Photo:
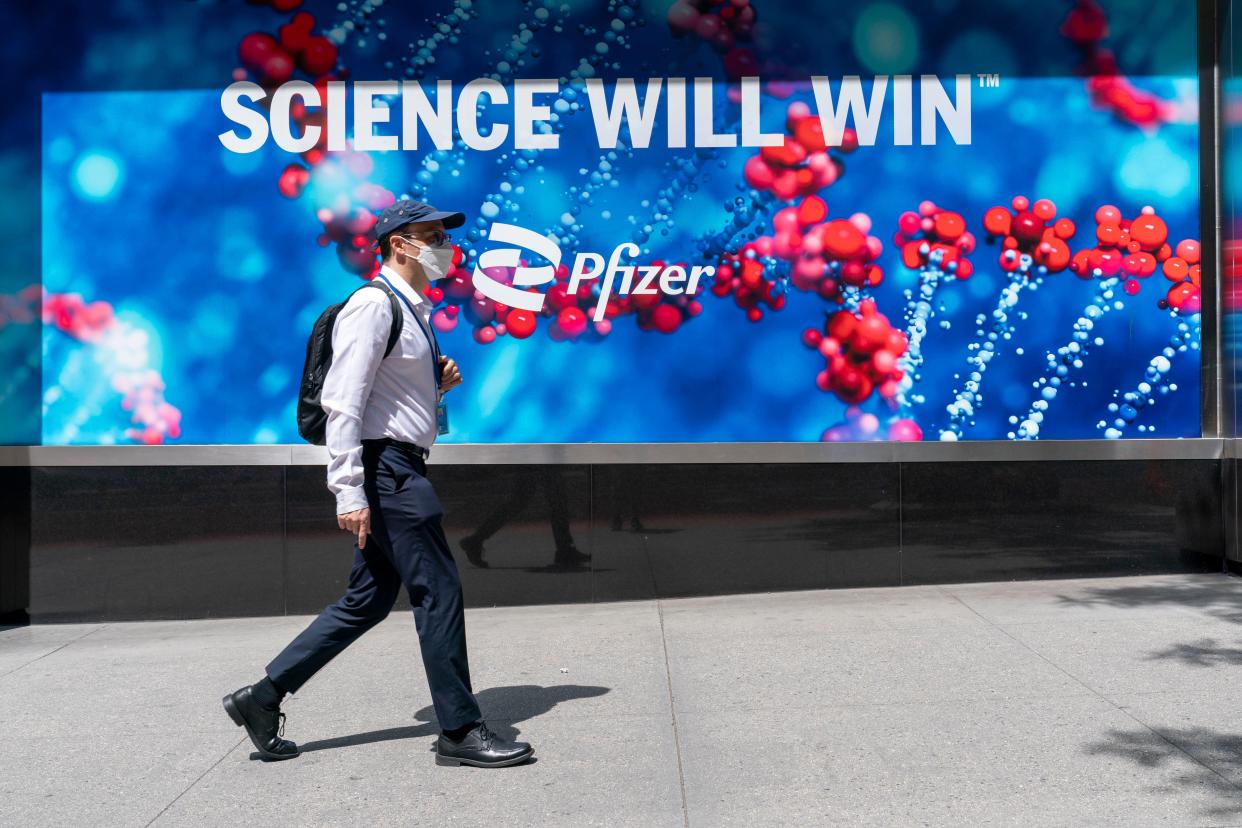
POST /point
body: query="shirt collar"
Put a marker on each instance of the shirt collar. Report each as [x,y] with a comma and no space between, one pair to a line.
[402,286]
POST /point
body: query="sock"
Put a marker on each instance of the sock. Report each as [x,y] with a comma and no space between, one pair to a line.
[457,734]
[267,694]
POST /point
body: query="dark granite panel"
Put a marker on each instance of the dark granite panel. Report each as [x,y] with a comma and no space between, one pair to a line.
[530,520]
[1231,517]
[986,521]
[620,517]
[155,542]
[123,542]
[711,529]
[14,543]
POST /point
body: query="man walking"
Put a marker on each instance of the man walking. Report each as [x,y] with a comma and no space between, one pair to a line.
[382,421]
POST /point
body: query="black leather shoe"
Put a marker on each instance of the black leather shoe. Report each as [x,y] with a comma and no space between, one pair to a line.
[570,556]
[263,726]
[474,551]
[482,749]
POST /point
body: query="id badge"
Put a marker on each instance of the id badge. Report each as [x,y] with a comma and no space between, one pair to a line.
[442,423]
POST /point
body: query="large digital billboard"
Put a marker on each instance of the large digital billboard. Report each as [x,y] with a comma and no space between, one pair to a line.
[697,221]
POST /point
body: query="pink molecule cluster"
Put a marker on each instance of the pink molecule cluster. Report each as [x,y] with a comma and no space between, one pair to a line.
[1130,249]
[143,391]
[801,165]
[826,257]
[864,427]
[20,308]
[1183,270]
[827,254]
[349,218]
[1086,26]
[862,350]
[935,233]
[1031,229]
[68,313]
[143,394]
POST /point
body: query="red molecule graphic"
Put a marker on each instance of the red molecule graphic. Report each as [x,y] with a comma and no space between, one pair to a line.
[720,22]
[659,311]
[347,218]
[1030,229]
[519,323]
[932,232]
[273,59]
[801,165]
[935,243]
[828,257]
[862,350]
[744,276]
[1183,269]
[1087,26]
[571,315]
[1130,249]
[293,180]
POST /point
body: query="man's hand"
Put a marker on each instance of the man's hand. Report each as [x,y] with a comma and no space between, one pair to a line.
[357,523]
[451,376]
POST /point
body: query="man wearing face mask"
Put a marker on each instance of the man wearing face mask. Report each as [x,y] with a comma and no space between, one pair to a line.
[382,421]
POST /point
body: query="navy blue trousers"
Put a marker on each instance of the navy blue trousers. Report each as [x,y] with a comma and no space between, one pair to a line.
[406,546]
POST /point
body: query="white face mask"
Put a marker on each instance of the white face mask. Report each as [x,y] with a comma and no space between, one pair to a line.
[436,261]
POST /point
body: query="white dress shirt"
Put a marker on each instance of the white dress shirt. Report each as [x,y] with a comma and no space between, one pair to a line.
[369,397]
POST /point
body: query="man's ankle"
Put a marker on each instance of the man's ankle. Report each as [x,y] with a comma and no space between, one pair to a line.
[267,694]
[457,734]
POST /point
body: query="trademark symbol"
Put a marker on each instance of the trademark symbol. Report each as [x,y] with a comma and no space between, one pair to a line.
[987,81]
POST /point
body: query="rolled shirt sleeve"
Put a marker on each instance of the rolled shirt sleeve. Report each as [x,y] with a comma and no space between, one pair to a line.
[359,337]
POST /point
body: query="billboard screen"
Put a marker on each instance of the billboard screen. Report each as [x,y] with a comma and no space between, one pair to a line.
[727,221]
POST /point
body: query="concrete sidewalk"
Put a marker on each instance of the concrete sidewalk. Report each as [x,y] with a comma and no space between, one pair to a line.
[1082,702]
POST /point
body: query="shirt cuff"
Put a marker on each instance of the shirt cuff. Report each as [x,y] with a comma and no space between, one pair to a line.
[351,500]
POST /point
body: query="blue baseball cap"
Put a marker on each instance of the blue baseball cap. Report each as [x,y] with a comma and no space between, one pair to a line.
[407,211]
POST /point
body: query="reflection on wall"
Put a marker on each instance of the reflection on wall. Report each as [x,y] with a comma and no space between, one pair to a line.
[1231,218]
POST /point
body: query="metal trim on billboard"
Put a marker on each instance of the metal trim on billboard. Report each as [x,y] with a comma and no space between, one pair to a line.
[1208,448]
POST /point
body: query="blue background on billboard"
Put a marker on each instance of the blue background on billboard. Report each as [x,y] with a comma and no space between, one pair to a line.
[143,208]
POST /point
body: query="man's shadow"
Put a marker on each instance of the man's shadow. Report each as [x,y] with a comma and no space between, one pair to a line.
[508,704]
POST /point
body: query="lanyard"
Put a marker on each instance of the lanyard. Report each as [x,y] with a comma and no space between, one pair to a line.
[418,320]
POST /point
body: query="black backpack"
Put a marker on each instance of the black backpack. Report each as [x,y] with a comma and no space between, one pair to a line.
[312,419]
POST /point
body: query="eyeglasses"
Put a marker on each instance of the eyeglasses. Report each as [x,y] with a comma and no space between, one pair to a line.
[436,238]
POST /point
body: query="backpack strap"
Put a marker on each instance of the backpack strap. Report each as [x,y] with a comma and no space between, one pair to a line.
[398,318]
